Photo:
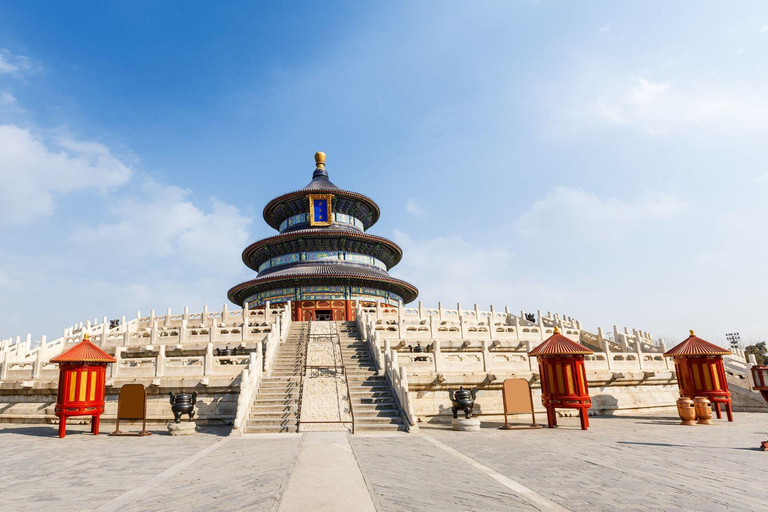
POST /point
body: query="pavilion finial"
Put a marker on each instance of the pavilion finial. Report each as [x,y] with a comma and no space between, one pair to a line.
[557,329]
[691,331]
[320,160]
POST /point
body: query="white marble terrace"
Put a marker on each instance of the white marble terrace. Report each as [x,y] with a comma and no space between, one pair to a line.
[156,346]
[481,341]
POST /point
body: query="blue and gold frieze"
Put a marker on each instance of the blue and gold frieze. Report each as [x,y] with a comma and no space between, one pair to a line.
[285,259]
[339,218]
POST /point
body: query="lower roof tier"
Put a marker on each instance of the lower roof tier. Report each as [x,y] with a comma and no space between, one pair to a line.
[349,281]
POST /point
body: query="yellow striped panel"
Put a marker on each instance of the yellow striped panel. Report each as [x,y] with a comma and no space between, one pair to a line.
[83,384]
[559,375]
[92,395]
[695,369]
[72,386]
[715,376]
[551,378]
[569,379]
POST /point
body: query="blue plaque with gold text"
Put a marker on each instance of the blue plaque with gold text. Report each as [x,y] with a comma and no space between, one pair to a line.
[320,213]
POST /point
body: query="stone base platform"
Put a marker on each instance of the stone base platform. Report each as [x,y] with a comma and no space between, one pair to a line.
[465,425]
[185,428]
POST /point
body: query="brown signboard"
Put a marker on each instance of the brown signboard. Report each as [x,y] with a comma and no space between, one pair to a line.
[518,399]
[132,405]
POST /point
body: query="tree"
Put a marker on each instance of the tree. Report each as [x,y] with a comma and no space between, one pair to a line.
[760,350]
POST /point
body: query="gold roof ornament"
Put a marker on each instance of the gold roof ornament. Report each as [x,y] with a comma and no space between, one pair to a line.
[320,160]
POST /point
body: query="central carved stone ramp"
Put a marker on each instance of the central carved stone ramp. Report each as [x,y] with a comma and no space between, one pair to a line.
[276,403]
[372,401]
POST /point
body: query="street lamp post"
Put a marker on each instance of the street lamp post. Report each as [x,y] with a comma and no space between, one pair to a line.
[733,338]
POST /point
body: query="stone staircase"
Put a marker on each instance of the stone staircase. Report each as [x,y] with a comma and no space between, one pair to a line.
[372,401]
[275,408]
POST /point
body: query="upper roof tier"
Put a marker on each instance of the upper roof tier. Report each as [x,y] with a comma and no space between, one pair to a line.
[345,202]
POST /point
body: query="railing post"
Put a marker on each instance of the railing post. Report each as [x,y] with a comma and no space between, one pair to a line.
[118,361]
[160,362]
[486,356]
[183,331]
[6,357]
[153,333]
[421,310]
[260,352]
[208,361]
[640,356]
[400,321]
[440,310]
[438,355]
[38,359]
[608,355]
[528,348]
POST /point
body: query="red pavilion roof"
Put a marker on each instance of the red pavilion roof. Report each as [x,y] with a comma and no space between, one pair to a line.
[559,345]
[695,346]
[85,352]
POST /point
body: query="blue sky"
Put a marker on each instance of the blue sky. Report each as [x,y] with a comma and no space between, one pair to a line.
[602,160]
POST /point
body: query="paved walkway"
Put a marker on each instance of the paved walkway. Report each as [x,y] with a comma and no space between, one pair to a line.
[627,463]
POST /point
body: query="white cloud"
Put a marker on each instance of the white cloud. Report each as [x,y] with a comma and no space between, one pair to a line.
[572,212]
[764,177]
[739,51]
[413,207]
[16,65]
[451,268]
[161,222]
[663,107]
[7,100]
[606,27]
[34,170]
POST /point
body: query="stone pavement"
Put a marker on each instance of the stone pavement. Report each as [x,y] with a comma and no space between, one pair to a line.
[629,463]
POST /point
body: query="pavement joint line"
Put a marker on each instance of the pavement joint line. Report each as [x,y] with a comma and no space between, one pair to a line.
[368,483]
[529,494]
[129,496]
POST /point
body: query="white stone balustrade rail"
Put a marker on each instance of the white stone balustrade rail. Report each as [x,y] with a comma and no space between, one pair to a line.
[27,359]
[387,364]
[458,343]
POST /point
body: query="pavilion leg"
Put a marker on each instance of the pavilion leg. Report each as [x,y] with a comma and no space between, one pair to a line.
[551,417]
[584,419]
[63,426]
[717,410]
[729,411]
[95,425]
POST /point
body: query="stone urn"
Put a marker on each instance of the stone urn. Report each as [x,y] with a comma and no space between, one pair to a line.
[418,349]
[462,400]
[226,352]
[686,410]
[703,410]
[183,403]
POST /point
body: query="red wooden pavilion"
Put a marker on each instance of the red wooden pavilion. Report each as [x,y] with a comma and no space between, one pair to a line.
[563,378]
[700,372]
[82,376]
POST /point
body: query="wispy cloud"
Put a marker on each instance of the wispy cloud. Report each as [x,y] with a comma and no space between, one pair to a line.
[413,207]
[16,65]
[606,27]
[34,170]
[569,212]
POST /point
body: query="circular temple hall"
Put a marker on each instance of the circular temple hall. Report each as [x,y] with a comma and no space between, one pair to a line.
[322,260]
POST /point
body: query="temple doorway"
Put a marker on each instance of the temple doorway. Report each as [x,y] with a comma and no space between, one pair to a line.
[323,315]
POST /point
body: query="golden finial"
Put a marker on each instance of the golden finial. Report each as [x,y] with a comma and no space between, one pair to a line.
[320,160]
[691,331]
[557,329]
[86,337]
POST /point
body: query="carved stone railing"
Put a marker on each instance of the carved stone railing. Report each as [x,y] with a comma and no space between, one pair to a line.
[28,359]
[258,365]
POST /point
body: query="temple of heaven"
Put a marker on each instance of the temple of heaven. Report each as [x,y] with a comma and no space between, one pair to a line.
[322,260]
